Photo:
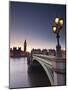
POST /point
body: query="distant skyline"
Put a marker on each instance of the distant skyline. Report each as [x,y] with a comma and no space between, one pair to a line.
[33,22]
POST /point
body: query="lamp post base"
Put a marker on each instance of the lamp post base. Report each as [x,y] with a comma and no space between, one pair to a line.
[58,51]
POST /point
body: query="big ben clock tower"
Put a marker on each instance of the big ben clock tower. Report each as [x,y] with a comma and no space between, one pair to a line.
[25,45]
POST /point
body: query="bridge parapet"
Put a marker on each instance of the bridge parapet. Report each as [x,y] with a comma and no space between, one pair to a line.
[51,58]
[59,62]
[59,69]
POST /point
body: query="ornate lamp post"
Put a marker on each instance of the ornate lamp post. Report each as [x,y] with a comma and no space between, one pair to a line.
[57,26]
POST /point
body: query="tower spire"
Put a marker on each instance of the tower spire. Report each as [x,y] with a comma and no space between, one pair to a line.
[25,45]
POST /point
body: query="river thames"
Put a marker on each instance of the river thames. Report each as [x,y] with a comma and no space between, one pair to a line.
[21,78]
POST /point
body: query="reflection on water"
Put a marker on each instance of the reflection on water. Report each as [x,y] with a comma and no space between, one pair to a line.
[20,77]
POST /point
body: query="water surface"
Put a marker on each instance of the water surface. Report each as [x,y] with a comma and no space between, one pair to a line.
[20,77]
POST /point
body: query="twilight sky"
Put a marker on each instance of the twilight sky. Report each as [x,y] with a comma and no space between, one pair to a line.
[33,23]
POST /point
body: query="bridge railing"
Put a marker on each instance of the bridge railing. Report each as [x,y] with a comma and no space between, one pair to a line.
[56,62]
[53,58]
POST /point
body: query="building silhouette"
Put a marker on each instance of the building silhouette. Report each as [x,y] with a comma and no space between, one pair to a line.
[25,45]
[17,52]
[52,52]
[44,52]
[36,51]
[63,52]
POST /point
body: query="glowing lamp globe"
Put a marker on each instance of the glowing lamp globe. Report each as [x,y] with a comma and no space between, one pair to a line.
[61,22]
[54,29]
[57,20]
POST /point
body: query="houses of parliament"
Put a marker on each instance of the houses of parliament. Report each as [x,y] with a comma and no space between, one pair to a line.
[14,52]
